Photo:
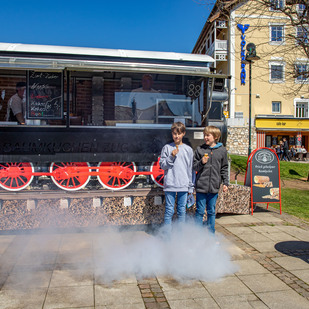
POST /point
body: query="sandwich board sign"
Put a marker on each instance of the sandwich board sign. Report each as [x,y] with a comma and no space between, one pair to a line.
[263,176]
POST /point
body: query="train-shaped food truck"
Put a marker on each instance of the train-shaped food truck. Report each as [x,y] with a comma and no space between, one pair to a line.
[100,115]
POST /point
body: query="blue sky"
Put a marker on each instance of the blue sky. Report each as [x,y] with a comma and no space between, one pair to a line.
[158,25]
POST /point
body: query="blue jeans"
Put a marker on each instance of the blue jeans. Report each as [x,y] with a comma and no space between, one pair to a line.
[170,206]
[208,201]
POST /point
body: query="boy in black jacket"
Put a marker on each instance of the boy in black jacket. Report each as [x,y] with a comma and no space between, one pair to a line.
[211,164]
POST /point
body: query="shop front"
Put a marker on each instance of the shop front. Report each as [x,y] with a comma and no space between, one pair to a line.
[271,130]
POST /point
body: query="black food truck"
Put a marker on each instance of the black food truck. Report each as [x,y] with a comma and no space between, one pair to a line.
[100,117]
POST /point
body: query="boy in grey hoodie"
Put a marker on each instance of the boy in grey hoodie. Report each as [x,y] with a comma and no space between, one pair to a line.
[177,162]
[211,164]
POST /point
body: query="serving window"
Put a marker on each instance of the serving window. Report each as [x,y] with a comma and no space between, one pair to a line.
[117,98]
[153,99]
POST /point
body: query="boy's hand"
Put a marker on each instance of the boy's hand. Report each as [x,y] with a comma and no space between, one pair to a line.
[225,188]
[205,158]
[175,151]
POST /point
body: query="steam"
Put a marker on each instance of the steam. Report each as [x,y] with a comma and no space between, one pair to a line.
[188,252]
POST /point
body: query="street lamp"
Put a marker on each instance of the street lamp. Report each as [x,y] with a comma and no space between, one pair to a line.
[250,56]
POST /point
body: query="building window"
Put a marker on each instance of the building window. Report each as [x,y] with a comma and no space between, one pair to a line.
[276,34]
[302,35]
[301,110]
[276,5]
[301,10]
[276,72]
[268,141]
[301,72]
[276,107]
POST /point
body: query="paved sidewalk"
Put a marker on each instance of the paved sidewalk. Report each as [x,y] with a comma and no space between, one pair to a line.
[59,270]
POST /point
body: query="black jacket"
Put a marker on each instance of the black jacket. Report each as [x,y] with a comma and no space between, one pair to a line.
[285,146]
[214,172]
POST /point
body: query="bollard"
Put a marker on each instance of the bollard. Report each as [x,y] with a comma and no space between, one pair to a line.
[64,203]
[96,202]
[31,204]
[127,201]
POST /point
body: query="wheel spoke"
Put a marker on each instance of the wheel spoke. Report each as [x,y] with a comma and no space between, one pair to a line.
[20,179]
[73,181]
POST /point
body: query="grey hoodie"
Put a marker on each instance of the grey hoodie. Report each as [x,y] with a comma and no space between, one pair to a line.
[210,175]
[178,169]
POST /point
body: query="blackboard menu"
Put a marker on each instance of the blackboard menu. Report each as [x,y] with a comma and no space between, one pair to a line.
[44,95]
[263,176]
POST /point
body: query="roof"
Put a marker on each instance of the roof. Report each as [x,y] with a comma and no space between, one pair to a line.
[121,53]
[30,56]
[219,9]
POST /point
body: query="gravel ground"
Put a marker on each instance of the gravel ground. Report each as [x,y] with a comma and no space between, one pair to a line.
[80,213]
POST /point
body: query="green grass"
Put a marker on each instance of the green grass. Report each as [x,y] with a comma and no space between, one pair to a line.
[239,163]
[292,170]
[294,202]
[288,170]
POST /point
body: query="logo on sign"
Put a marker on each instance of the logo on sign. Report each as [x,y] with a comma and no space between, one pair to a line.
[264,157]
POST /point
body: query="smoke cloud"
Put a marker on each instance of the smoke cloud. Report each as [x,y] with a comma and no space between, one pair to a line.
[188,252]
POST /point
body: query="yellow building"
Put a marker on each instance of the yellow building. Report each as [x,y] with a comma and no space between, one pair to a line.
[279,92]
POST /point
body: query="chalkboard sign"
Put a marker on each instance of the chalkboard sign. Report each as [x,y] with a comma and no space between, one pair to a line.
[263,176]
[44,95]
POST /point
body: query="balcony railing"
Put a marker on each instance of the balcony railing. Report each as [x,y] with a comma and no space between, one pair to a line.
[220,47]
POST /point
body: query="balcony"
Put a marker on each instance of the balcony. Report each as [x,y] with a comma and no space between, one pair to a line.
[218,50]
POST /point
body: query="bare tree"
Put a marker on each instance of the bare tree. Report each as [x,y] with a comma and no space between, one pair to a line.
[291,41]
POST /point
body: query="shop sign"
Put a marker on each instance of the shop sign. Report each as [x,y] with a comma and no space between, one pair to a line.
[282,124]
[243,29]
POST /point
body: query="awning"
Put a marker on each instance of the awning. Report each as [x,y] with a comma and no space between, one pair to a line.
[282,124]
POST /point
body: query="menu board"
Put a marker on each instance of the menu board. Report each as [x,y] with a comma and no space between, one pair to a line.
[263,176]
[44,95]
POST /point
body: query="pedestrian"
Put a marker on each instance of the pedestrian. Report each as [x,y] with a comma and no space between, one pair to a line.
[286,155]
[278,151]
[281,150]
[177,162]
[211,164]
[303,149]
[293,152]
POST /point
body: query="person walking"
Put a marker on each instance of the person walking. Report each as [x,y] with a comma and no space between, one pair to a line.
[286,155]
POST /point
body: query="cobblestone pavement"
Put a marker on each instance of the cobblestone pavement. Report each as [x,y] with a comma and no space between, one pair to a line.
[59,270]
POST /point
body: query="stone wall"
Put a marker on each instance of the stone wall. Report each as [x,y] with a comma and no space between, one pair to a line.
[237,140]
[98,211]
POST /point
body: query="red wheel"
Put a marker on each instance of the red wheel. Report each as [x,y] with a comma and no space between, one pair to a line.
[70,176]
[16,176]
[157,174]
[116,175]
